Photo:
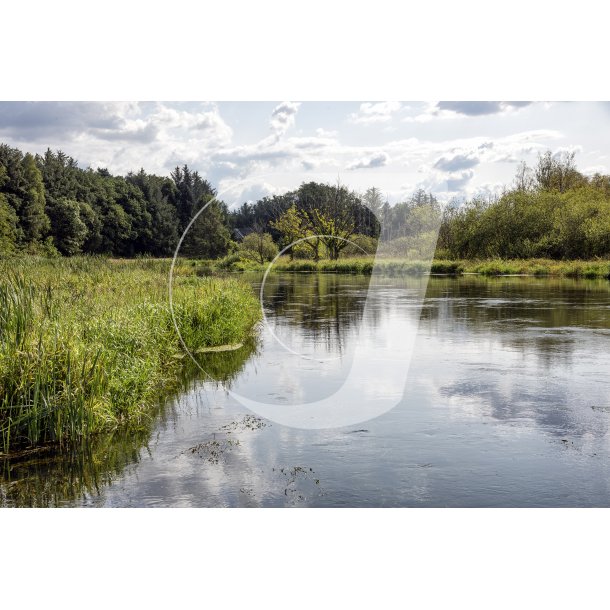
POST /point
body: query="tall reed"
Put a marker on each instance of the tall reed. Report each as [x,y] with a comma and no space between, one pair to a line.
[86,343]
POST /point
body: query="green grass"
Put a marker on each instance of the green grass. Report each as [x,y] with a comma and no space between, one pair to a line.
[88,344]
[391,266]
[540,268]
[353,265]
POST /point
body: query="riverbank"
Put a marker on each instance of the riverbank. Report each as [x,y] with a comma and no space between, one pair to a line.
[89,343]
[392,267]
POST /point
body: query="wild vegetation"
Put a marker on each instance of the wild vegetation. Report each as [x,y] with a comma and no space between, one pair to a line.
[400,266]
[89,343]
[552,211]
[49,205]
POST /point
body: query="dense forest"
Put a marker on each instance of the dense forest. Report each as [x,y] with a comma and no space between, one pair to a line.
[49,205]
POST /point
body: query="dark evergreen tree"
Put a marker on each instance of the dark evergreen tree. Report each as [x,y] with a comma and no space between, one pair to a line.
[208,236]
[68,229]
[32,216]
[8,220]
[164,226]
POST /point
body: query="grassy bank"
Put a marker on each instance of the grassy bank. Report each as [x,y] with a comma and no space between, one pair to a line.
[539,267]
[88,344]
[353,265]
[393,267]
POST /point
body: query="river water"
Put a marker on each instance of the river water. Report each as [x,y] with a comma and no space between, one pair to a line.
[506,404]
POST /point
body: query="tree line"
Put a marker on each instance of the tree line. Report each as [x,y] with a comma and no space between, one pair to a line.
[551,211]
[49,205]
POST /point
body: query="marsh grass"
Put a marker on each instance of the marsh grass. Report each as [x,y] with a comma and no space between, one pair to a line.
[594,269]
[540,268]
[87,344]
[352,265]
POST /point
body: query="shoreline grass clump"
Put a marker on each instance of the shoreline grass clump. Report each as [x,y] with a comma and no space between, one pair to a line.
[588,269]
[540,267]
[87,344]
[362,265]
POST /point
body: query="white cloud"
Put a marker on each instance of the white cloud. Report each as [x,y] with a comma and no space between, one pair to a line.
[377,160]
[370,113]
[452,163]
[265,151]
[478,108]
[457,181]
[206,124]
[562,151]
[236,192]
[326,133]
[283,116]
[463,109]
[595,169]
[487,191]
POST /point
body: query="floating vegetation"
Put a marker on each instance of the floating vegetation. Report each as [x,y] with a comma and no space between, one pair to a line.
[214,450]
[299,483]
[249,422]
[603,409]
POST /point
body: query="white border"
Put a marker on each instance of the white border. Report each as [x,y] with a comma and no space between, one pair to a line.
[312,51]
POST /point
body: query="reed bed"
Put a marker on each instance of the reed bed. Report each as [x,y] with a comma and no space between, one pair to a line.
[87,344]
[351,265]
[393,267]
[540,267]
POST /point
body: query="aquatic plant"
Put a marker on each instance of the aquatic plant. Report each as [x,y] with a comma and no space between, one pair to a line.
[87,344]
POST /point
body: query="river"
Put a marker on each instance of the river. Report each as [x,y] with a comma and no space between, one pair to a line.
[506,404]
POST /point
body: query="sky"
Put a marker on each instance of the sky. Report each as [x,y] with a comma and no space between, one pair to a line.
[250,149]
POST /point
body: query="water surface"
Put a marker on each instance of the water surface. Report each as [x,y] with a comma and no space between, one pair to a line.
[507,404]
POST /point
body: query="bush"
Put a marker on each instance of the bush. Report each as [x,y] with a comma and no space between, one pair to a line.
[362,245]
[258,247]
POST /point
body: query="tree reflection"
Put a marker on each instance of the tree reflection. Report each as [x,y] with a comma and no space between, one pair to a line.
[56,477]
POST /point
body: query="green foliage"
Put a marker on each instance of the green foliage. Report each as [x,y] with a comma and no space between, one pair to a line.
[69,231]
[228,262]
[44,248]
[32,217]
[421,213]
[558,172]
[49,205]
[329,213]
[556,213]
[538,267]
[8,227]
[373,200]
[94,212]
[291,227]
[89,343]
[360,245]
[345,207]
[258,247]
[208,236]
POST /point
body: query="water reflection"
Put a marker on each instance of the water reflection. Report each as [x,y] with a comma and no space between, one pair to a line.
[51,478]
[531,354]
[71,475]
[507,404]
[325,308]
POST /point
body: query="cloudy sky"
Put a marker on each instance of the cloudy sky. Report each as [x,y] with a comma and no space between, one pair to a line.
[248,149]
